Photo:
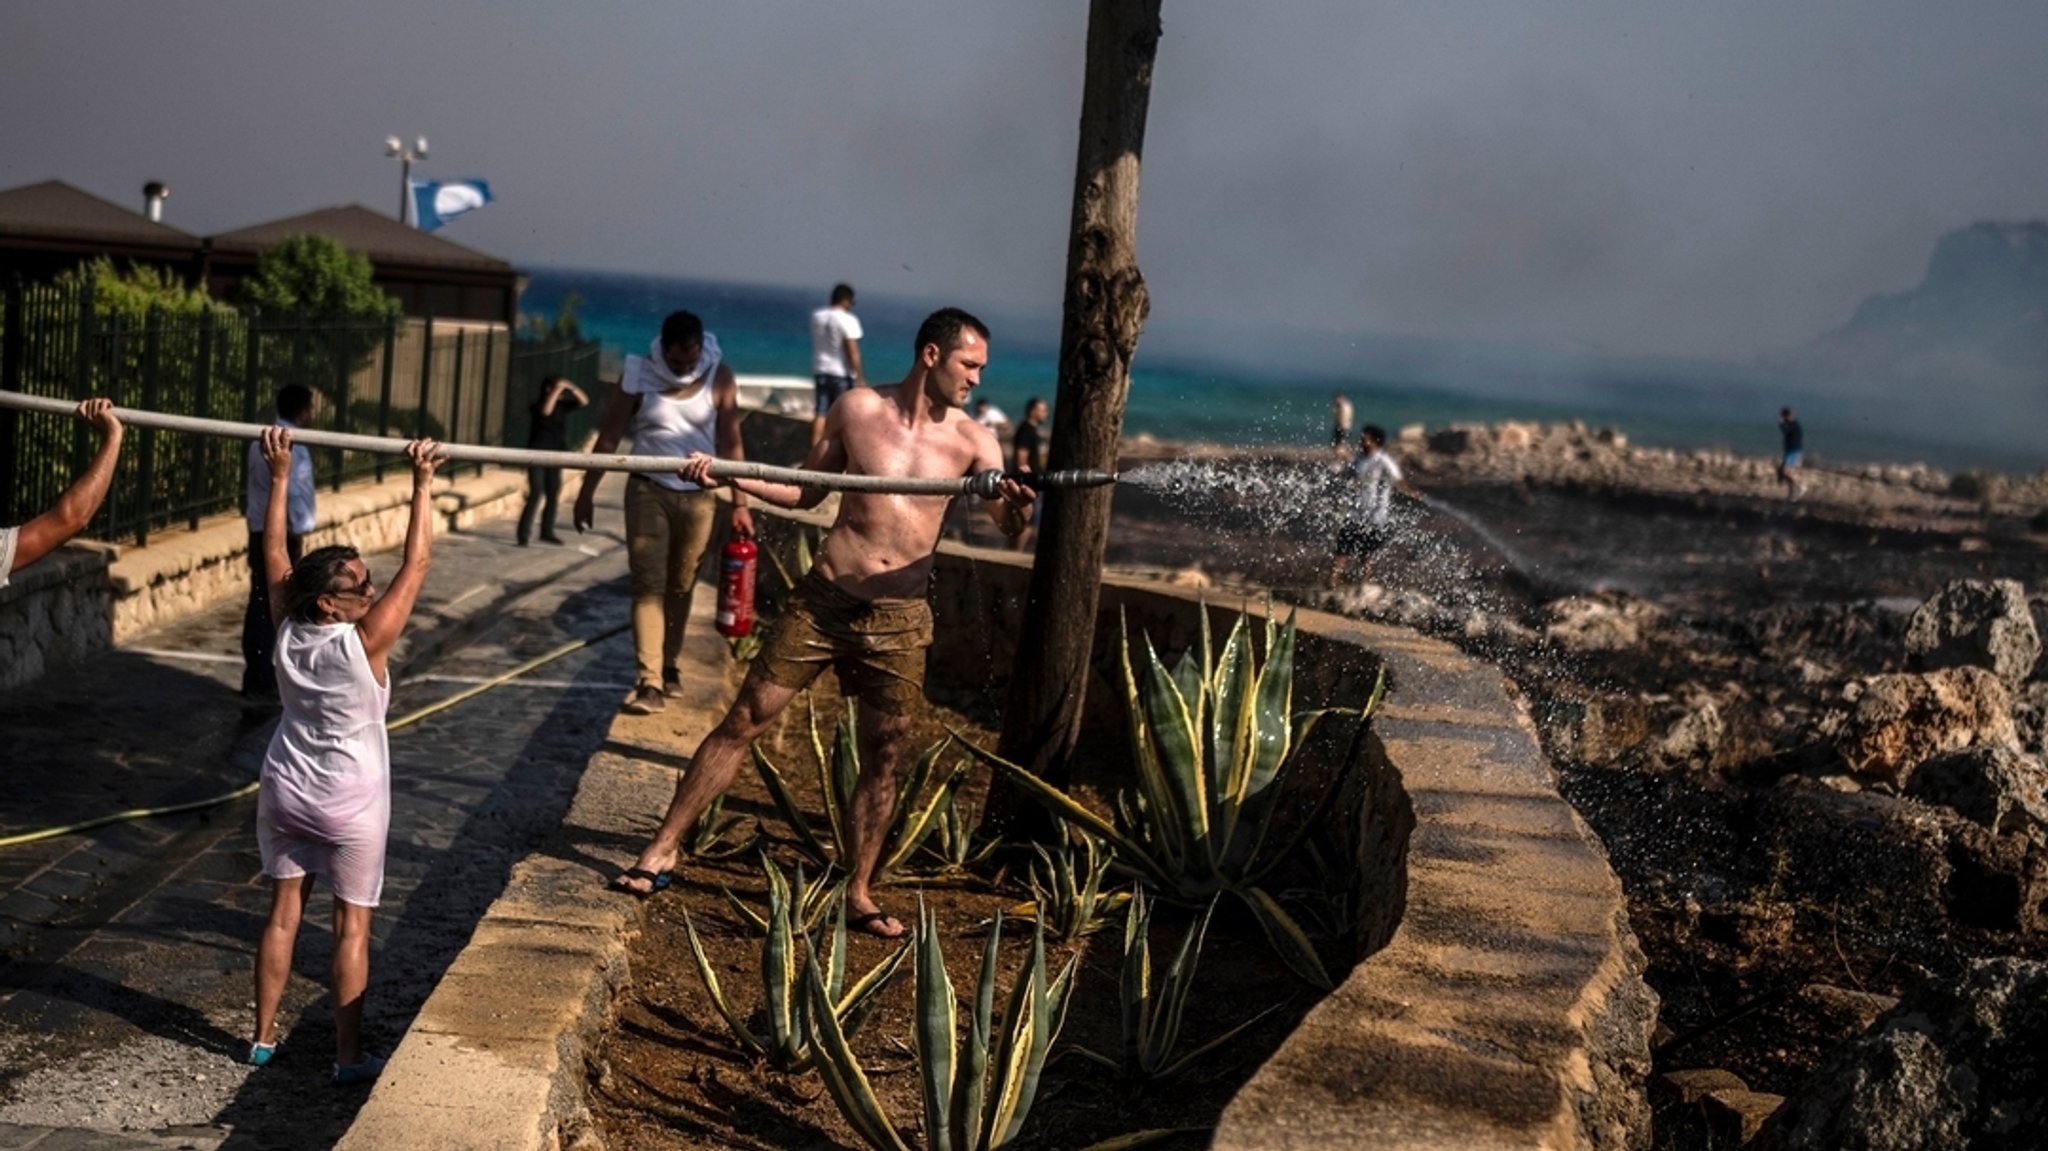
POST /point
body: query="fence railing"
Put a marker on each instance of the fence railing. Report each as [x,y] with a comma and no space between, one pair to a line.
[398,376]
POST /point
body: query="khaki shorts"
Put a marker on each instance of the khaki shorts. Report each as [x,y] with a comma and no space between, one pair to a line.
[877,647]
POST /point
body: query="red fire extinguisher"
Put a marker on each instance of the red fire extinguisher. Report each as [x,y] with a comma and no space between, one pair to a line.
[736,587]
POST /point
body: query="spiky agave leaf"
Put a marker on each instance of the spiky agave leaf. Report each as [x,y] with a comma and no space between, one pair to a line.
[1231,732]
[844,1077]
[733,1019]
[1030,1024]
[780,956]
[1275,703]
[853,1004]
[970,1076]
[1176,736]
[814,899]
[934,1034]
[838,774]
[807,840]
[1135,983]
[1067,884]
[1286,936]
[915,822]
[1130,852]
[708,836]
[1162,1025]
[1162,837]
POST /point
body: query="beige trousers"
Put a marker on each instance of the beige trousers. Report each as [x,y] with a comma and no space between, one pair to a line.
[666,533]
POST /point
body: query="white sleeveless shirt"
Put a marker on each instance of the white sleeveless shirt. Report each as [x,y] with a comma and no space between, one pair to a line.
[328,770]
[666,426]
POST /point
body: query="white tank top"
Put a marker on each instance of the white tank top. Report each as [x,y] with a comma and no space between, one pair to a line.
[329,761]
[666,426]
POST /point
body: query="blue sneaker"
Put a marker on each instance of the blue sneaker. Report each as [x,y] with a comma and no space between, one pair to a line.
[364,1070]
[260,1054]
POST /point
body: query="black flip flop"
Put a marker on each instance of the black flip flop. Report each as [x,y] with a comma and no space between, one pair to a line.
[657,881]
[862,922]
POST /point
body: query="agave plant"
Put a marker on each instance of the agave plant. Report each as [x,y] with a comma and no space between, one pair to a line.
[977,1095]
[811,899]
[1067,882]
[952,844]
[917,812]
[714,836]
[1152,1012]
[789,965]
[806,553]
[1211,738]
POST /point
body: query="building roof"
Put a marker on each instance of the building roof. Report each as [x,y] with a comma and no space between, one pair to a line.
[55,210]
[385,240]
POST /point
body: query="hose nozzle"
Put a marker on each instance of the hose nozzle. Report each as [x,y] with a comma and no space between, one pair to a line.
[985,484]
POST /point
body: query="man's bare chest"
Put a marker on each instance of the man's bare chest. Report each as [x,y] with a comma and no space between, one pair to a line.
[897,453]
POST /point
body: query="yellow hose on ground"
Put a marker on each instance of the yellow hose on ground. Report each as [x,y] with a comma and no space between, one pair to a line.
[250,788]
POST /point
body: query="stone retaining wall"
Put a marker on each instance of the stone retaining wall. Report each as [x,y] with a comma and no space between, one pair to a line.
[54,612]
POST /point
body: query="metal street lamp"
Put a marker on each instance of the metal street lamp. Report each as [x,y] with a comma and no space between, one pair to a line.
[396,149]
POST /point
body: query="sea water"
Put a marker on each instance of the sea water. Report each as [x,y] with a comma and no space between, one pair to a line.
[1174,395]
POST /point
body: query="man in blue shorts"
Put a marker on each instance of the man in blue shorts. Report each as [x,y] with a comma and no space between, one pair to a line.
[835,354]
[1795,448]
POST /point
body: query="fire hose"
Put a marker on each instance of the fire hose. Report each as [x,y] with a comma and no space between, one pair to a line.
[983,484]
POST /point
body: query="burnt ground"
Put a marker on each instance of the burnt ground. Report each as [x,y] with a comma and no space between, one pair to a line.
[1775,921]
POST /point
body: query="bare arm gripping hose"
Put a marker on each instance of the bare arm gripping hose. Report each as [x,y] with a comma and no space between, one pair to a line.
[983,485]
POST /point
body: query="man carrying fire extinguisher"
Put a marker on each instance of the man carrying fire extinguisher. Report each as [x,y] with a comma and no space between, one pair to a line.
[679,399]
[861,610]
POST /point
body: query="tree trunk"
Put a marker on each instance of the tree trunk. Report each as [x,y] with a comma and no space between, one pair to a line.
[1105,309]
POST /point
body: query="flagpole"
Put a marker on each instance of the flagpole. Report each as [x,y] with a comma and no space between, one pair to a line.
[396,149]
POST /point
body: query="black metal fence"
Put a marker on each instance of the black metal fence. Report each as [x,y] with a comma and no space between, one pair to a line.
[454,380]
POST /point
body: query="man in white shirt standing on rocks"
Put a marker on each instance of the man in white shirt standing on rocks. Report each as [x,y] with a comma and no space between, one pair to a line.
[259,635]
[835,354]
[1372,475]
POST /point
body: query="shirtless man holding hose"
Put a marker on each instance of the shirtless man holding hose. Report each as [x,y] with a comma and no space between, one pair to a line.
[861,610]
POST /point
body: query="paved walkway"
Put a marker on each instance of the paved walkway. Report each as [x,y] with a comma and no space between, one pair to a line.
[125,953]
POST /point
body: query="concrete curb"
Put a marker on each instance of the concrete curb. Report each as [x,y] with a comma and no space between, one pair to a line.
[1508,1008]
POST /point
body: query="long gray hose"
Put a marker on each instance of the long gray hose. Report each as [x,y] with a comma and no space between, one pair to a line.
[980,485]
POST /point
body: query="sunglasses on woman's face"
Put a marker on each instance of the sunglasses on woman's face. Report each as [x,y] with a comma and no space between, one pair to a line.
[360,591]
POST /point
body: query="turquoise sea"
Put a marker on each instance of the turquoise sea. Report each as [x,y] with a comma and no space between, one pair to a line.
[1273,398]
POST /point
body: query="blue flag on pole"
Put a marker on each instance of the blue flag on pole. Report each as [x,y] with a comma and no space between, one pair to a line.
[435,202]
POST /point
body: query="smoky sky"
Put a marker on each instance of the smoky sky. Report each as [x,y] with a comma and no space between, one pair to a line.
[1719,179]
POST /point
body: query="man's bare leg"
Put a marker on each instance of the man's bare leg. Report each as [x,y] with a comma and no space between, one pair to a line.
[874,800]
[710,773]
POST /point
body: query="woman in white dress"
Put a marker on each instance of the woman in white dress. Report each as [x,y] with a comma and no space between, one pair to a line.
[325,805]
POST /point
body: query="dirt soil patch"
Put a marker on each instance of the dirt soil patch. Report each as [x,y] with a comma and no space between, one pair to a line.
[669,1075]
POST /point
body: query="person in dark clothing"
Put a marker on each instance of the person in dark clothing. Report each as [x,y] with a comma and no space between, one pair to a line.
[1795,451]
[259,634]
[550,433]
[1027,454]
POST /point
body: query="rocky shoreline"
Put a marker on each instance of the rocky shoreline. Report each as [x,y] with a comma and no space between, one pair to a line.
[1810,734]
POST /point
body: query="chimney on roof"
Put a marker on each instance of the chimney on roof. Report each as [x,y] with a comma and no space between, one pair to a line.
[153,197]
